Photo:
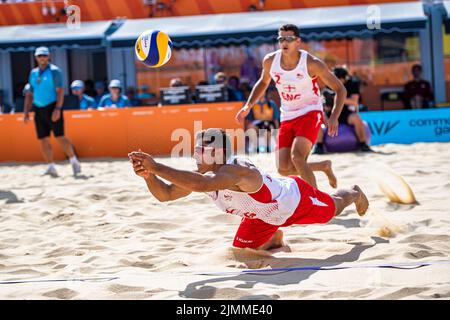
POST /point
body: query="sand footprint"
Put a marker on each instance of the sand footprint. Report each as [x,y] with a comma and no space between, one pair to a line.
[63,293]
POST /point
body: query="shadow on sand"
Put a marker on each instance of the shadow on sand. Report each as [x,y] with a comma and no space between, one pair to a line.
[9,196]
[205,290]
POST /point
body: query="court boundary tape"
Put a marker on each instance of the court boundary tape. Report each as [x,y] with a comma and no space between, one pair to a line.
[99,279]
[401,266]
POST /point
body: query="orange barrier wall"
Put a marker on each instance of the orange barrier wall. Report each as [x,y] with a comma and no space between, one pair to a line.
[115,132]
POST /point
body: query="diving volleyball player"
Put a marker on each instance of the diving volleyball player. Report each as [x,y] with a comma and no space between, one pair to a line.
[296,74]
[238,187]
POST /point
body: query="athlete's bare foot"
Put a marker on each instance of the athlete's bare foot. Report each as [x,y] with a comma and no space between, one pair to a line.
[330,174]
[362,204]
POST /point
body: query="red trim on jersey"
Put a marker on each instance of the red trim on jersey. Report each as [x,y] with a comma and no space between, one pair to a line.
[315,87]
[263,195]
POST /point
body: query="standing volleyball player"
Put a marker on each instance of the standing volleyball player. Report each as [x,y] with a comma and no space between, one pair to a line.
[296,73]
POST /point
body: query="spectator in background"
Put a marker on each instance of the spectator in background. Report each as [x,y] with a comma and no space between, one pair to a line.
[176,82]
[349,114]
[115,99]
[265,115]
[221,78]
[147,97]
[131,94]
[417,93]
[85,102]
[233,82]
[246,89]
[250,70]
[144,93]
[89,88]
[99,91]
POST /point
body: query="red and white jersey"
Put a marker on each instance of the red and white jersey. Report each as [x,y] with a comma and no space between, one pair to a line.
[299,93]
[273,203]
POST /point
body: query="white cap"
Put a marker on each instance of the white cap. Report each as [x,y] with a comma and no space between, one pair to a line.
[42,51]
[77,84]
[115,84]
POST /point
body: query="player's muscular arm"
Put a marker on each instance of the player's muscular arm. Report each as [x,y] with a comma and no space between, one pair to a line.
[164,191]
[317,68]
[258,89]
[194,181]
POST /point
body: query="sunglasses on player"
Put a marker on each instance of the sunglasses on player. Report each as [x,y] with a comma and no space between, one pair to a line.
[289,39]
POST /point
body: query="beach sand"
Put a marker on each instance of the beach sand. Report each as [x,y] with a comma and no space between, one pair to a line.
[105,224]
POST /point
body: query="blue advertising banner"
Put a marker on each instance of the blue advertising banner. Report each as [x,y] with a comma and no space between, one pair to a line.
[408,126]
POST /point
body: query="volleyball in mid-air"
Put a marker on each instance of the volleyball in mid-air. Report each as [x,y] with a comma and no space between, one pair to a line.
[153,48]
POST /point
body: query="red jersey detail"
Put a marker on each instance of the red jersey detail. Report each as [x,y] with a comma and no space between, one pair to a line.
[315,87]
[263,195]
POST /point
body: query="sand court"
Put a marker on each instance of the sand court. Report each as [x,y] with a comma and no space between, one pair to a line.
[105,234]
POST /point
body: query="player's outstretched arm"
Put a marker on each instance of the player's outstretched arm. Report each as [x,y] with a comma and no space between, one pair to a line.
[189,180]
[158,188]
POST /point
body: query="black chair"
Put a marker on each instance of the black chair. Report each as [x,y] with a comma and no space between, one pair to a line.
[394,95]
[71,102]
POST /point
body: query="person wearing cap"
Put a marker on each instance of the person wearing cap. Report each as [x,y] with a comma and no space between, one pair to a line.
[85,102]
[99,87]
[349,114]
[221,78]
[236,186]
[46,98]
[114,99]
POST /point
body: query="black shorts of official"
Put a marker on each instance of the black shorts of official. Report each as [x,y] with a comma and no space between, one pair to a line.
[345,114]
[44,124]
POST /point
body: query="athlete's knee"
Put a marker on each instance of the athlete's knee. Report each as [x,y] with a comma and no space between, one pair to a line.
[299,159]
[284,172]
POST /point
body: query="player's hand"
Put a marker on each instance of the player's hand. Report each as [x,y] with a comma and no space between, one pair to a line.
[332,125]
[139,169]
[26,117]
[143,160]
[240,116]
[56,114]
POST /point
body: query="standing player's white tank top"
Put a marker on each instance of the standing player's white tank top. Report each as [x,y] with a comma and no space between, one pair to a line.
[299,93]
[273,203]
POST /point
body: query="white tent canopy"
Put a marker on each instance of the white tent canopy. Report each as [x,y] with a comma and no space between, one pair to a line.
[340,21]
[24,37]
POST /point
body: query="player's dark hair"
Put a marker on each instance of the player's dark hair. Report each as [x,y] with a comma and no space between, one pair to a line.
[210,135]
[290,27]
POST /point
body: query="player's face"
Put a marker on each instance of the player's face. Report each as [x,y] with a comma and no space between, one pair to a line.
[288,42]
[206,157]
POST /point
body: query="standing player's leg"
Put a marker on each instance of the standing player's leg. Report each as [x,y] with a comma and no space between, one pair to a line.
[285,165]
[299,155]
[325,167]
